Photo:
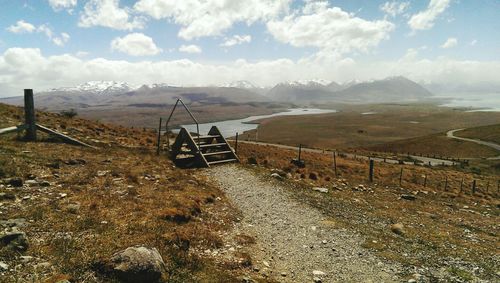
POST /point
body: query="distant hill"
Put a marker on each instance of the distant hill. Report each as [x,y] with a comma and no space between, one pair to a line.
[394,89]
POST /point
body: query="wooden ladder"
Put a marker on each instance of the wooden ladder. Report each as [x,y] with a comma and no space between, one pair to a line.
[202,150]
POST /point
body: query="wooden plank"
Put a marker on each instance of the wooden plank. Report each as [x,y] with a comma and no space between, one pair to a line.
[29,115]
[64,137]
[12,129]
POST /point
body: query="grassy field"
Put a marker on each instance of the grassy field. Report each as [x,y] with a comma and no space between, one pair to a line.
[440,222]
[379,124]
[94,203]
[437,144]
[489,133]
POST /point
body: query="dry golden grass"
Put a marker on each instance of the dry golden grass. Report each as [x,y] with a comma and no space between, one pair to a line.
[118,196]
[489,133]
[350,128]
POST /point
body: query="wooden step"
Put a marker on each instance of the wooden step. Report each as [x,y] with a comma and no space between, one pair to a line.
[212,145]
[216,153]
[206,137]
[221,161]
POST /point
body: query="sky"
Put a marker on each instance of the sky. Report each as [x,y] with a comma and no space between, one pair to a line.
[55,43]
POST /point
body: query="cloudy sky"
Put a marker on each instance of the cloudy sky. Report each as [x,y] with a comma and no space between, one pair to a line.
[54,43]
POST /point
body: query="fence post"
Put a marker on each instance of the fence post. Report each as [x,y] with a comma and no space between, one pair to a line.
[335,163]
[474,186]
[371,170]
[300,150]
[446,183]
[401,177]
[29,115]
[425,180]
[158,142]
[461,185]
[236,144]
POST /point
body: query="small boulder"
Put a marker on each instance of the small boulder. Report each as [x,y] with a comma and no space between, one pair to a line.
[138,264]
[408,197]
[16,182]
[313,176]
[14,240]
[397,228]
[73,208]
[321,190]
[276,176]
[252,160]
[3,266]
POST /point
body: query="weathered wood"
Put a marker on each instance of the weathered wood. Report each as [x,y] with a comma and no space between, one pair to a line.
[12,129]
[158,142]
[335,163]
[236,144]
[371,171]
[401,177]
[29,115]
[62,136]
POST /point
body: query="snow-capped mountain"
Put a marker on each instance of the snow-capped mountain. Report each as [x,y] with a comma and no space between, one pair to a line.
[241,84]
[306,83]
[98,87]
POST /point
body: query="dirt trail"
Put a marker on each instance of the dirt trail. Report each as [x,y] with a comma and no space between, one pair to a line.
[294,242]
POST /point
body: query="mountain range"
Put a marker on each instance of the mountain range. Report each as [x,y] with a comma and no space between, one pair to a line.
[121,94]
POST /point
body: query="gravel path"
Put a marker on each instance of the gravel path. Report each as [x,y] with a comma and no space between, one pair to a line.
[294,242]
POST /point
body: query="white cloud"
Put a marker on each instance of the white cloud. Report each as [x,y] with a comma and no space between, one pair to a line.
[57,40]
[329,28]
[424,20]
[81,54]
[450,43]
[394,8]
[58,5]
[473,42]
[135,44]
[190,49]
[27,67]
[107,13]
[200,18]
[236,40]
[21,27]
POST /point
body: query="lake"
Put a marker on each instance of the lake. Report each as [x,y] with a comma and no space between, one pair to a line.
[231,127]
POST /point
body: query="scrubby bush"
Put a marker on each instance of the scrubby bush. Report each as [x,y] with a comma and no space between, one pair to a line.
[69,113]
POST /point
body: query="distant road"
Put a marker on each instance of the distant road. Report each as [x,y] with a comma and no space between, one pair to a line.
[450,134]
[425,160]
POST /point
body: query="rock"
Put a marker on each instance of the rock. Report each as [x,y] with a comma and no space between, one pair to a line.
[44,184]
[73,208]
[321,190]
[283,274]
[266,264]
[16,182]
[4,266]
[313,176]
[15,222]
[43,265]
[138,264]
[7,196]
[14,240]
[276,176]
[397,228]
[26,258]
[318,273]
[63,195]
[408,197]
[412,281]
[31,182]
[317,280]
[252,160]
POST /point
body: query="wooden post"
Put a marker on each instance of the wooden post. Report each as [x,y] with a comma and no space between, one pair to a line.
[487,187]
[300,150]
[335,163]
[29,115]
[446,183]
[401,176]
[461,185]
[158,142]
[236,144]
[371,171]
[425,180]
[474,186]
